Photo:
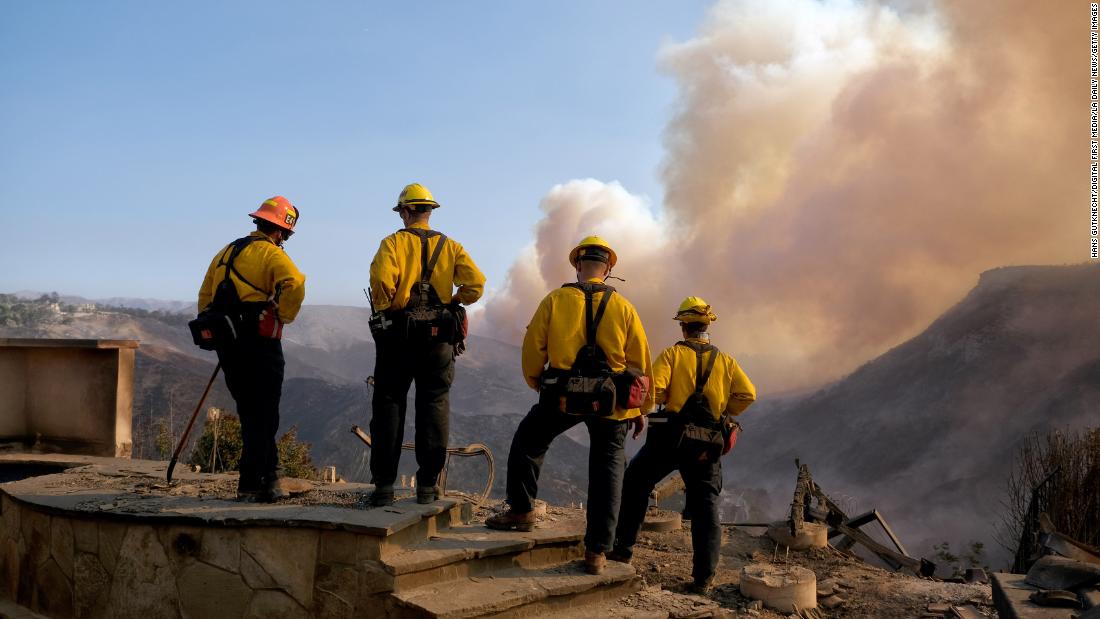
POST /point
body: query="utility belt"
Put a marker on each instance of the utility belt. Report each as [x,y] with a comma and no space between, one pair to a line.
[693,435]
[214,329]
[421,324]
[596,393]
[435,324]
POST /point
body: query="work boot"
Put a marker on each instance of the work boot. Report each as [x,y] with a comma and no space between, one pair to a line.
[705,587]
[619,555]
[594,562]
[428,494]
[273,491]
[512,521]
[248,492]
[382,496]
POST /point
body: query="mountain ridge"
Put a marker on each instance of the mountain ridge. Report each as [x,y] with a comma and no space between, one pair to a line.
[924,432]
[934,422]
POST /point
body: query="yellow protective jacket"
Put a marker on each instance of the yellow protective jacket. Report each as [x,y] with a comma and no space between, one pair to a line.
[265,265]
[556,334]
[396,269]
[728,390]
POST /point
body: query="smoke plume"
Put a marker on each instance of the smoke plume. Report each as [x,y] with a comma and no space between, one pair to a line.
[837,175]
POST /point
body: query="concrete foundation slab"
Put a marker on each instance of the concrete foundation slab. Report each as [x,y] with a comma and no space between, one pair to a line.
[509,590]
[1010,597]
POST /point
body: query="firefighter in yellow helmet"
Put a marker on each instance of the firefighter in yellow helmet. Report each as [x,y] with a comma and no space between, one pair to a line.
[255,284]
[419,277]
[583,338]
[701,389]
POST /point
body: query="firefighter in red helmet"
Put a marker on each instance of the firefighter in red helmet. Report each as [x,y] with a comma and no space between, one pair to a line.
[256,284]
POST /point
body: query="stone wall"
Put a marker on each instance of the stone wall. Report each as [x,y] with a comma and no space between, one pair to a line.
[65,566]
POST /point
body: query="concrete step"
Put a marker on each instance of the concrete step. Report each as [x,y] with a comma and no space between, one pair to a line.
[464,551]
[515,592]
[414,524]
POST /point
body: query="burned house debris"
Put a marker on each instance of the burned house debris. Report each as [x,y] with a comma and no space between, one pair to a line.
[1064,578]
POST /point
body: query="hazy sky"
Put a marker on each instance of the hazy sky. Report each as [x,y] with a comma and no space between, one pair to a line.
[832,175]
[137,135]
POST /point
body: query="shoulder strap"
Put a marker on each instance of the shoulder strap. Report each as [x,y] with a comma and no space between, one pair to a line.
[702,379]
[591,323]
[588,286]
[427,264]
[421,232]
[702,375]
[238,246]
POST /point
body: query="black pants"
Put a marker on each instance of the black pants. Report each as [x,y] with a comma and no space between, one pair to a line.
[702,483]
[606,460]
[254,375]
[397,365]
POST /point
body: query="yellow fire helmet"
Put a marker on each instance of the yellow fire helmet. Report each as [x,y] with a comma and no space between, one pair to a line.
[415,197]
[695,309]
[593,248]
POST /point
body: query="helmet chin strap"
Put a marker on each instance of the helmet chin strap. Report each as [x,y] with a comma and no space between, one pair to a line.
[610,276]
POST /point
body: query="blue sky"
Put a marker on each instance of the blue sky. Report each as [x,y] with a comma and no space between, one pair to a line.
[137,135]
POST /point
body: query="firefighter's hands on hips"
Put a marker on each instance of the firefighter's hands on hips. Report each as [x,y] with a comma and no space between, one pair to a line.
[639,425]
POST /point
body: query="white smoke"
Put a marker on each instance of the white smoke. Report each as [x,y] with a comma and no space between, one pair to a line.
[837,174]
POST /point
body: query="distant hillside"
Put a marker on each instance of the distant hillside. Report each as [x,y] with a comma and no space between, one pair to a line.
[329,353]
[926,433]
[161,305]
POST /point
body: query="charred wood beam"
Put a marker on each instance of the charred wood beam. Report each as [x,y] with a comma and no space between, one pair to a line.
[894,559]
[864,519]
[667,488]
[803,491]
[890,533]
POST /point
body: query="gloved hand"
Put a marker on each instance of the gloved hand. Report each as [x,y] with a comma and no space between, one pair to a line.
[639,425]
[462,322]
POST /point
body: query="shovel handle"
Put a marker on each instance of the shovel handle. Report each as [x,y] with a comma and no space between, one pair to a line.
[187,432]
